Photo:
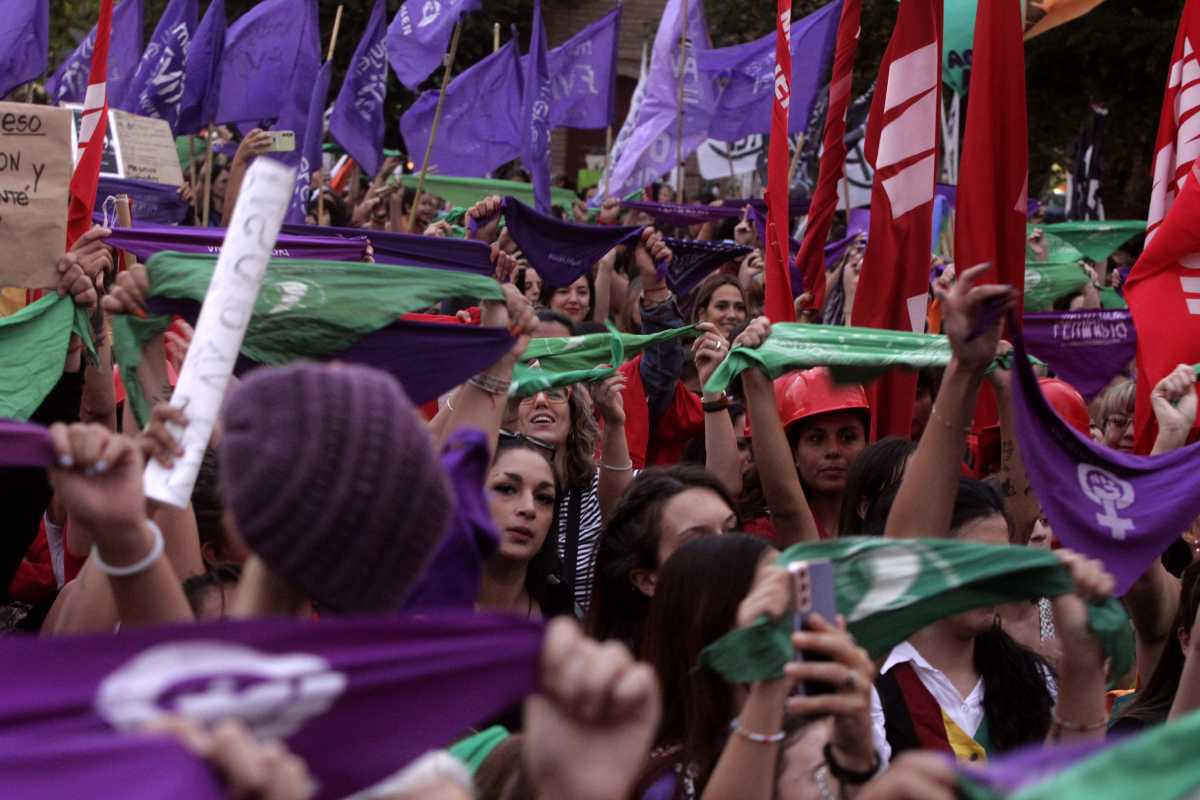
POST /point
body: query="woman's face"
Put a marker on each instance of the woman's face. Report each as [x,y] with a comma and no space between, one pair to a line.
[666,194]
[745,450]
[1118,432]
[546,416]
[521,499]
[689,514]
[574,300]
[726,309]
[533,285]
[427,208]
[828,444]
[220,184]
[992,529]
[1042,536]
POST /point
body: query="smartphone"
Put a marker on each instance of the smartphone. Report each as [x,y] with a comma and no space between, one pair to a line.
[282,141]
[812,592]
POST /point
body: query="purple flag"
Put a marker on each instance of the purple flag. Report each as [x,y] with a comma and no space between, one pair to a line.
[584,74]
[24,444]
[157,86]
[1117,507]
[24,42]
[694,260]
[149,202]
[747,72]
[536,103]
[649,152]
[145,240]
[355,698]
[357,121]
[408,249]
[309,144]
[272,54]
[683,215]
[481,118]
[202,72]
[1085,348]
[419,35]
[69,82]
[561,251]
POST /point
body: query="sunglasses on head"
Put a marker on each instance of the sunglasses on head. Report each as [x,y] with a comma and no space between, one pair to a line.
[556,394]
[520,437]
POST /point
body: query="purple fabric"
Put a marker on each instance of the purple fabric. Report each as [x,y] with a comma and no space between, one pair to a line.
[157,86]
[748,73]
[149,202]
[355,698]
[202,72]
[24,42]
[308,145]
[272,54]
[145,240]
[679,216]
[1117,507]
[69,82]
[536,103]
[584,70]
[408,249]
[1085,348]
[650,151]
[451,579]
[24,444]
[357,120]
[755,217]
[561,251]
[419,35]
[694,260]
[1014,771]
[481,121]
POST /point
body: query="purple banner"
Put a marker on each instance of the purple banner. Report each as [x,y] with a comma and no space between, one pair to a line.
[272,54]
[157,86]
[678,215]
[202,72]
[384,690]
[536,103]
[584,71]
[357,121]
[419,34]
[146,240]
[24,43]
[148,202]
[408,249]
[69,82]
[1087,349]
[561,251]
[308,145]
[693,260]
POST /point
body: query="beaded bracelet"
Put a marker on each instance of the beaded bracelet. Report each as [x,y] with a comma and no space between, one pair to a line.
[486,382]
[757,738]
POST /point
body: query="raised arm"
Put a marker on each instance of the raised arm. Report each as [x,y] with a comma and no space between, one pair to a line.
[1081,711]
[616,465]
[256,143]
[720,439]
[1019,499]
[925,500]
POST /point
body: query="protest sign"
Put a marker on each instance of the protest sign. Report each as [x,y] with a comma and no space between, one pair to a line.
[147,148]
[35,171]
[110,161]
[222,324]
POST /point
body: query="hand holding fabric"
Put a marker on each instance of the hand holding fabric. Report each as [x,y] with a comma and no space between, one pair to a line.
[1174,403]
[708,351]
[439,229]
[158,443]
[128,294]
[755,333]
[771,594]
[972,317]
[98,477]
[74,281]
[610,211]
[999,375]
[486,215]
[504,263]
[1092,584]
[588,733]
[95,257]
[609,401]
[178,339]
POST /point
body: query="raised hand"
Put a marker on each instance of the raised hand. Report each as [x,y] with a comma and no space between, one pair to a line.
[74,281]
[755,333]
[609,402]
[965,311]
[156,441]
[486,214]
[708,351]
[771,594]
[98,478]
[1174,403]
[128,294]
[256,143]
[610,211]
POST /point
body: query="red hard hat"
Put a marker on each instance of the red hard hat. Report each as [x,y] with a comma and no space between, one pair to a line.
[801,395]
[1068,403]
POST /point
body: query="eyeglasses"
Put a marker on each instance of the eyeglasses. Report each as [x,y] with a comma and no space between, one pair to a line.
[520,437]
[556,394]
[1119,420]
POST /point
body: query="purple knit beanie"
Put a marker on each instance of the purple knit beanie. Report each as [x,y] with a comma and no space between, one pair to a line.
[334,483]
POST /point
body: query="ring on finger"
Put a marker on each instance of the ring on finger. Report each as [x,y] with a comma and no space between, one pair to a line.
[851,682]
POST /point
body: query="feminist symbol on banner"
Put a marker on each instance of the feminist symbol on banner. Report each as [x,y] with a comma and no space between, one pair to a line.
[1110,493]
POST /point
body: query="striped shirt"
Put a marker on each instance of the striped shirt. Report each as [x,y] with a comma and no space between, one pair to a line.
[590,525]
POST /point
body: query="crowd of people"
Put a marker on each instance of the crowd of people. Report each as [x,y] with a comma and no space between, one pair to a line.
[640,517]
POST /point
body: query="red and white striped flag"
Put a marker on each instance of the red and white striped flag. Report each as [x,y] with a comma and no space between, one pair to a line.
[811,258]
[93,127]
[778,304]
[1164,286]
[902,131]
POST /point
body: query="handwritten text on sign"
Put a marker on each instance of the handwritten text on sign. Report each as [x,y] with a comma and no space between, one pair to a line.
[35,171]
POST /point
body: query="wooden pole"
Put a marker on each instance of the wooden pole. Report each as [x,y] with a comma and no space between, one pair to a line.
[208,168]
[679,106]
[337,24]
[795,163]
[846,196]
[192,167]
[496,37]
[607,157]
[437,118]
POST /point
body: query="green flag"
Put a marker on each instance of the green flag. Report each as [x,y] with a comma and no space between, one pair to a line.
[888,589]
[1046,282]
[853,355]
[1109,298]
[469,191]
[305,309]
[1096,239]
[33,350]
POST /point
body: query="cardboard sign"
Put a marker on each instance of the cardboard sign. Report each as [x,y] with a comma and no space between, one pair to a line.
[35,176]
[110,160]
[147,148]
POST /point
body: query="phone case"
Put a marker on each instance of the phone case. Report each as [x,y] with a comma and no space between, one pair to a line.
[812,589]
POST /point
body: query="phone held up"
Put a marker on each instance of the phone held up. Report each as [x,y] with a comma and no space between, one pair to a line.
[812,592]
[282,142]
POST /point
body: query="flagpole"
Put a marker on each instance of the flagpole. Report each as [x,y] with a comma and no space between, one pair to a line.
[679,106]
[208,168]
[846,196]
[437,118]
[795,162]
[192,165]
[607,156]
[337,23]
[496,37]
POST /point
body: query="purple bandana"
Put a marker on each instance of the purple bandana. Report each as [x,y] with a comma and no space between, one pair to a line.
[149,202]
[408,249]
[355,698]
[146,240]
[24,444]
[561,251]
[677,215]
[1120,508]
[1085,348]
[694,260]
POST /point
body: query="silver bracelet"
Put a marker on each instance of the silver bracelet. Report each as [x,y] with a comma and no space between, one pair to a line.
[628,467]
[485,382]
[156,551]
[757,738]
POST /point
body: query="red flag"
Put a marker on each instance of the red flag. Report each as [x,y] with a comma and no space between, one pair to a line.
[811,258]
[93,126]
[994,174]
[902,130]
[779,304]
[1164,286]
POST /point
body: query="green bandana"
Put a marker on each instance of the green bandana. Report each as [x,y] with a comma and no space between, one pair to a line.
[1096,239]
[1046,282]
[33,349]
[469,191]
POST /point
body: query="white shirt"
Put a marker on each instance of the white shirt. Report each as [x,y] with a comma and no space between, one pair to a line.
[967,713]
